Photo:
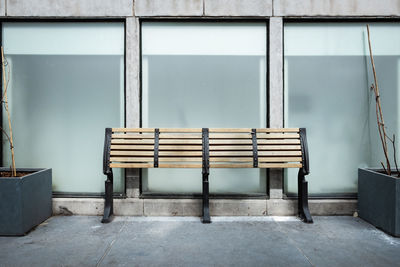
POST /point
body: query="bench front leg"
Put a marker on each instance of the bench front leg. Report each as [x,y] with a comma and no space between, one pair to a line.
[206,205]
[108,205]
[303,210]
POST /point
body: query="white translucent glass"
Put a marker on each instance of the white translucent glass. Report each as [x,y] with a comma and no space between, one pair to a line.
[204,75]
[61,98]
[327,80]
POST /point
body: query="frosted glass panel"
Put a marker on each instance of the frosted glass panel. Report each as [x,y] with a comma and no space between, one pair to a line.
[61,103]
[215,83]
[327,80]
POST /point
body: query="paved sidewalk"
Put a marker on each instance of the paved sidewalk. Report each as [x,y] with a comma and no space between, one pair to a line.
[184,241]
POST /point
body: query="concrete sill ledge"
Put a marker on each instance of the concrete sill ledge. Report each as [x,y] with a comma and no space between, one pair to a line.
[192,207]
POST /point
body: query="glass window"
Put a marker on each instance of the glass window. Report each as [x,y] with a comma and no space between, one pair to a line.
[327,80]
[203,75]
[66,86]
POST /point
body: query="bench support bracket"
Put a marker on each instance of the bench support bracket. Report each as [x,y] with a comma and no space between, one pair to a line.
[206,173]
[302,185]
[303,210]
[108,205]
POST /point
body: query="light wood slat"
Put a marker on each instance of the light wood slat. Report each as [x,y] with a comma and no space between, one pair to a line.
[132,147]
[134,130]
[250,153]
[181,141]
[180,136]
[260,147]
[132,141]
[151,147]
[279,159]
[230,130]
[131,159]
[131,136]
[212,159]
[131,165]
[275,136]
[177,165]
[231,165]
[211,130]
[182,147]
[278,130]
[279,153]
[149,153]
[161,165]
[131,153]
[199,153]
[178,159]
[278,141]
[212,142]
[280,165]
[276,147]
[180,130]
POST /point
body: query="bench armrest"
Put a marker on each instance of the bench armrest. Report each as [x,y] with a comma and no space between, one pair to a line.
[304,151]
[106,153]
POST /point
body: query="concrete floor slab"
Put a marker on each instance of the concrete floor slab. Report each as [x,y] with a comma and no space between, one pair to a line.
[184,241]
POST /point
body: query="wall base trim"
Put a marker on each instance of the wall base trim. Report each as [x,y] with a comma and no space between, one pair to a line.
[192,207]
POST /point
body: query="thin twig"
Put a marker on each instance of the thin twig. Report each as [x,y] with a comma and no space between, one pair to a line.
[5,82]
[394,154]
[379,113]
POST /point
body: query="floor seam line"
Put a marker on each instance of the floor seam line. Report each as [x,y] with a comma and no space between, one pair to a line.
[293,243]
[110,245]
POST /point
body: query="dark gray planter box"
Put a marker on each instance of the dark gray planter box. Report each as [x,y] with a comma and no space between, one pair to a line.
[379,200]
[25,202]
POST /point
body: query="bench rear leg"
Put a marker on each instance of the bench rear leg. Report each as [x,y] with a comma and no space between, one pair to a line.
[108,205]
[303,210]
[206,207]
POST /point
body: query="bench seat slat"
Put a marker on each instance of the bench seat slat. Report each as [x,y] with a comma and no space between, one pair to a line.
[199,147]
[199,153]
[211,136]
[199,165]
[212,142]
[211,130]
[212,159]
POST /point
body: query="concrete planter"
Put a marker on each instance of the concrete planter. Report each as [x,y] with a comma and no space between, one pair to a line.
[25,202]
[379,200]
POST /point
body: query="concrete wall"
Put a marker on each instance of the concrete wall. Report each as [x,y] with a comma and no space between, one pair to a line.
[197,8]
[275,11]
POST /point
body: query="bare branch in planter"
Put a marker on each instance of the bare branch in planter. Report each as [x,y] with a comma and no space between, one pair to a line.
[393,140]
[4,98]
[379,114]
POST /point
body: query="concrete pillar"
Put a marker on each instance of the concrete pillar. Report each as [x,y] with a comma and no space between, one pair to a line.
[275,103]
[132,73]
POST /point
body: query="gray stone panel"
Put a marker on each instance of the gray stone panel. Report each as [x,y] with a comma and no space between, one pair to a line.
[172,207]
[2,8]
[336,8]
[70,8]
[132,72]
[147,8]
[132,89]
[239,207]
[238,7]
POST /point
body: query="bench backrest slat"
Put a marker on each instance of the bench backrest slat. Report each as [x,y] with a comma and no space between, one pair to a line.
[182,148]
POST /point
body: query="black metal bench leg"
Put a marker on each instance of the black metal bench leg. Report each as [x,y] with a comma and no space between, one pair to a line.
[108,205]
[206,207]
[303,210]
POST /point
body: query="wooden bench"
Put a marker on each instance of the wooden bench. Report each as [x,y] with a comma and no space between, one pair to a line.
[206,148]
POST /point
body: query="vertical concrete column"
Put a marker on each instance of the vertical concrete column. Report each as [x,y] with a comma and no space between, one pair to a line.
[275,103]
[132,88]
